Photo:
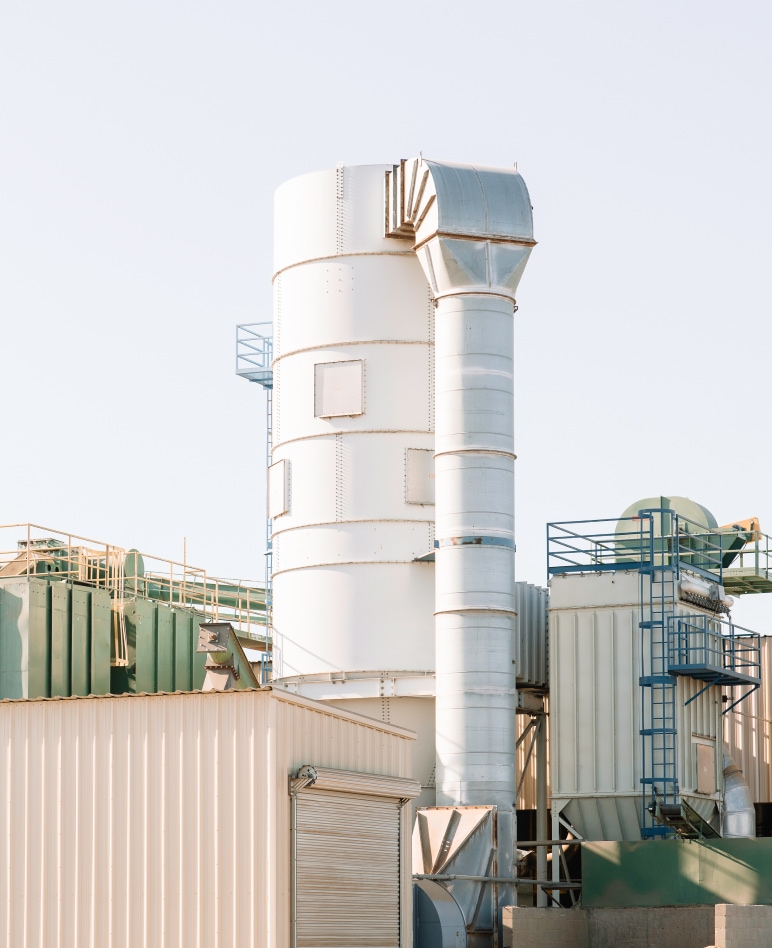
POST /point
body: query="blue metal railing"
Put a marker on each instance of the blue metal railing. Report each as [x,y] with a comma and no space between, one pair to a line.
[714,651]
[254,353]
[591,545]
[656,537]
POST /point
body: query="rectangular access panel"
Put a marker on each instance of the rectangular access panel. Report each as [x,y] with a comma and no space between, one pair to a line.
[278,489]
[339,388]
[419,476]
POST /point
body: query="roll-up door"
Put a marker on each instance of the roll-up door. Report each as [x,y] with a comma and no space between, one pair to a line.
[347,873]
[347,859]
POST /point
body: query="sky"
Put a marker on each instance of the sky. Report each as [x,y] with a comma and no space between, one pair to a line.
[140,146]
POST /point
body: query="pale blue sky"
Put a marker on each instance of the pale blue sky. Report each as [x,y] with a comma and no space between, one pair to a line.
[142,143]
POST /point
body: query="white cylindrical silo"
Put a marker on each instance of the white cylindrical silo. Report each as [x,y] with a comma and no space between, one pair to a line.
[351,487]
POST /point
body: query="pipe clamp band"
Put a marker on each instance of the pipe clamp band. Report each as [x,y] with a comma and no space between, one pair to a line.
[475,541]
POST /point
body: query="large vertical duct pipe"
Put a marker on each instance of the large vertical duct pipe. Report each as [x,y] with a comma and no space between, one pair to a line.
[474,624]
[739,812]
[473,236]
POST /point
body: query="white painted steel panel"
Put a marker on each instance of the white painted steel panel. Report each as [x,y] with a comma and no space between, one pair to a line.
[358,477]
[368,542]
[382,608]
[278,489]
[396,396]
[391,289]
[306,211]
[318,464]
[339,388]
[165,819]
[337,211]
[748,731]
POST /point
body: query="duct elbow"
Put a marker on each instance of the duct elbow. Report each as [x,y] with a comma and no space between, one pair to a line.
[739,811]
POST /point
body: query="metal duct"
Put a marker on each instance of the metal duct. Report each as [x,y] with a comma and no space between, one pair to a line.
[473,234]
[739,811]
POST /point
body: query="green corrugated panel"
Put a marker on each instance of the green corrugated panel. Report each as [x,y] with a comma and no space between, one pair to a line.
[14,642]
[199,658]
[165,649]
[183,652]
[677,872]
[61,640]
[39,639]
[145,637]
[101,639]
[81,641]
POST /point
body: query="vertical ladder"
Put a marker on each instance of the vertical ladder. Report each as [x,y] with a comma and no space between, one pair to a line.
[254,355]
[658,578]
[268,530]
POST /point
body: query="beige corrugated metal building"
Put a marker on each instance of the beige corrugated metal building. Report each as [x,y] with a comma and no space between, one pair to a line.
[748,731]
[165,820]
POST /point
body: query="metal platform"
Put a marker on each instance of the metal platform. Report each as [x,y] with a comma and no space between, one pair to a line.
[739,581]
[254,353]
[717,652]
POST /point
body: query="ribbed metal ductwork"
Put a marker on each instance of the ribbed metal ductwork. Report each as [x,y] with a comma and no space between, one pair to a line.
[739,811]
[473,236]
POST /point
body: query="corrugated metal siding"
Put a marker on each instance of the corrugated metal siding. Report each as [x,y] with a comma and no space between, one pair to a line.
[162,644]
[595,704]
[531,636]
[163,820]
[748,731]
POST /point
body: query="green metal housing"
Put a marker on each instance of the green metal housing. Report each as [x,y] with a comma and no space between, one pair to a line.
[56,640]
[677,872]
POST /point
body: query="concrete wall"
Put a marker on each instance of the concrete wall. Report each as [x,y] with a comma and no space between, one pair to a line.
[684,926]
[743,926]
[550,928]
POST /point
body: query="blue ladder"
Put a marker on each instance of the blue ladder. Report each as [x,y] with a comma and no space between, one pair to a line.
[658,579]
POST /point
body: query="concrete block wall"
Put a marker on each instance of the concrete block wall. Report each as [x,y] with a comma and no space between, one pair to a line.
[690,926]
[683,926]
[550,928]
[743,926]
